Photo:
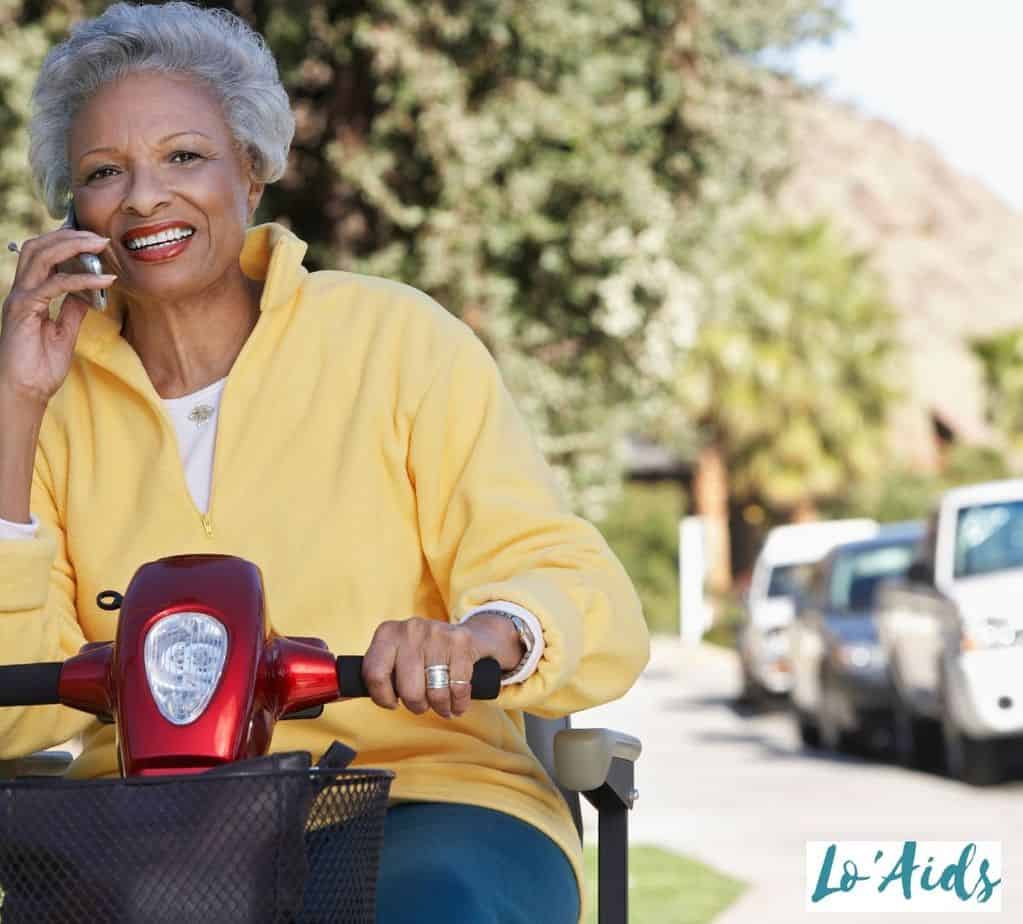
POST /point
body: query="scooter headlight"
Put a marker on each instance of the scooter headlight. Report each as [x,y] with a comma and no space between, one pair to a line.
[185,655]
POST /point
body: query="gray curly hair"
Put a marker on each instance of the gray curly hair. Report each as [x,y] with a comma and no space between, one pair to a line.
[212,46]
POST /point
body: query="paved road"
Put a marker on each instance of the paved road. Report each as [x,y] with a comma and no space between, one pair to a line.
[740,793]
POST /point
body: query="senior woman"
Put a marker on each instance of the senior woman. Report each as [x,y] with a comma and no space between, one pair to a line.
[343,432]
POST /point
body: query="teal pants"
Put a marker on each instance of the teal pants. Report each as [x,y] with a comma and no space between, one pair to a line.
[459,864]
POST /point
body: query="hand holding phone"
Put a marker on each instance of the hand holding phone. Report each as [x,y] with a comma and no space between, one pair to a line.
[36,347]
[84,263]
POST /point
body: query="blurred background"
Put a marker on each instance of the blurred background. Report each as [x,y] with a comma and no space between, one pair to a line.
[753,263]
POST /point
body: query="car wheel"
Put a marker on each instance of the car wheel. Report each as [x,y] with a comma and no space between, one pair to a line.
[977,761]
[915,741]
[903,741]
[752,694]
[809,734]
[984,764]
[955,750]
[876,734]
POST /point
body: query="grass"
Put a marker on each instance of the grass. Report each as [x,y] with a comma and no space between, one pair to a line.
[667,888]
[723,635]
[729,620]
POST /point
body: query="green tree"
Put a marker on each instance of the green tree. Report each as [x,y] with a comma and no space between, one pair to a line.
[642,530]
[23,44]
[1001,356]
[891,497]
[790,377]
[904,494]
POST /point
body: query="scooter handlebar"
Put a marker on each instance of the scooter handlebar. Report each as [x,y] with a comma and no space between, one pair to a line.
[486,678]
[30,684]
[39,684]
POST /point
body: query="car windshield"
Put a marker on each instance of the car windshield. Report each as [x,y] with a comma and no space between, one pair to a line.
[856,575]
[989,537]
[788,580]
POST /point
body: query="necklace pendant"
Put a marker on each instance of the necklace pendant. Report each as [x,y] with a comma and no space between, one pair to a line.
[201,413]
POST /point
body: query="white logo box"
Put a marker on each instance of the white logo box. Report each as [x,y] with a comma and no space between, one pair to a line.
[939,876]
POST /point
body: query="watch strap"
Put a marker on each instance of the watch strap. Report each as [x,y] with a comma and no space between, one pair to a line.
[533,643]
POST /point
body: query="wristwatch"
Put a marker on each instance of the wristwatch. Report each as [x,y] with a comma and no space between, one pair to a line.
[525,636]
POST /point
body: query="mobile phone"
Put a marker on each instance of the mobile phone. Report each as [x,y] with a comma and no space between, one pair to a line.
[84,263]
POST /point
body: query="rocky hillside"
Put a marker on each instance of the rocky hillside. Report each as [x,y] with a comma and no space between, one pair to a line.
[949,249]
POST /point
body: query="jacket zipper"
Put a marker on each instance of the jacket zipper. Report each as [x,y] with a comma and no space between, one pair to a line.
[148,392]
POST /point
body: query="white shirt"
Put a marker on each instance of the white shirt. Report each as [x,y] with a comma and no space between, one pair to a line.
[194,418]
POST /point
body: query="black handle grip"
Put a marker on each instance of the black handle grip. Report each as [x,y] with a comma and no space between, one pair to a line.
[486,677]
[30,684]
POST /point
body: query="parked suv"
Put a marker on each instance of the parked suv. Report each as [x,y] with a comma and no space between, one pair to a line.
[841,695]
[953,636]
[781,571]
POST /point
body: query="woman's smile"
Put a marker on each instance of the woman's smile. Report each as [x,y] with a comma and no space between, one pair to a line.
[158,243]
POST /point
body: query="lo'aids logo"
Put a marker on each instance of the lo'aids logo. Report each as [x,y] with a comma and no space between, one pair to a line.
[924,876]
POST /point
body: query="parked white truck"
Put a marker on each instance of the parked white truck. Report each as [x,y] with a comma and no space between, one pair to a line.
[952,633]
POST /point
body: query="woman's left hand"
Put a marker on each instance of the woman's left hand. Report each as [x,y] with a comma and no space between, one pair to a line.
[395,665]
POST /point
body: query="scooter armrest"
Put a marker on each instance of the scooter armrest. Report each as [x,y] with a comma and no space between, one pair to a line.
[42,763]
[583,756]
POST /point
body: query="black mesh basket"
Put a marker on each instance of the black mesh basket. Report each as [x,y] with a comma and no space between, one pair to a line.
[297,847]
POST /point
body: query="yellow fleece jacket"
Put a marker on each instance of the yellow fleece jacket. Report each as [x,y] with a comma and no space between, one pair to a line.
[370,461]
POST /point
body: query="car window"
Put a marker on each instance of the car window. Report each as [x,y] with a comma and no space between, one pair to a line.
[989,537]
[857,575]
[788,580]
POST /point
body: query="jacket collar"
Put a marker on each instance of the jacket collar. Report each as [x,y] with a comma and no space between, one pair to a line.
[270,253]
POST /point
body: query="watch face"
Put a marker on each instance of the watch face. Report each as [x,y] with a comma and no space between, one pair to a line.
[520,628]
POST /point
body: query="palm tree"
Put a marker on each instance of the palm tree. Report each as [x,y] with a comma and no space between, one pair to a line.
[1001,356]
[789,378]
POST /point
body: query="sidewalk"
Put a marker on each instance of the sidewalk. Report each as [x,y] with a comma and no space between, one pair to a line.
[740,793]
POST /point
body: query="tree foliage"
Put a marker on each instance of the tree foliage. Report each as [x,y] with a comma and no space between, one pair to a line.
[642,530]
[791,374]
[23,44]
[1001,356]
[903,494]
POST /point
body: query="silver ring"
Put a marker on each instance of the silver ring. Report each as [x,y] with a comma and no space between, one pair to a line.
[13,247]
[437,677]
